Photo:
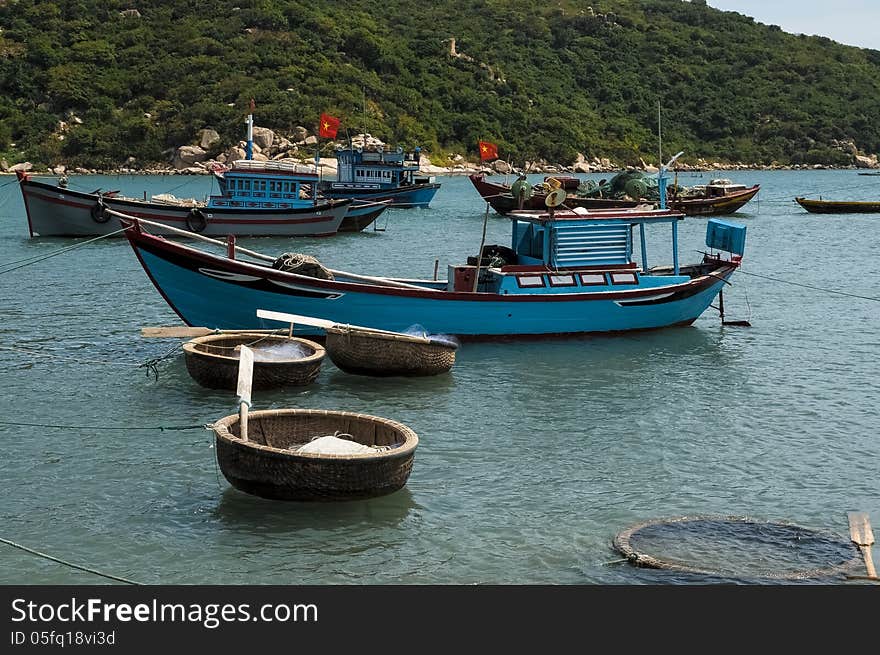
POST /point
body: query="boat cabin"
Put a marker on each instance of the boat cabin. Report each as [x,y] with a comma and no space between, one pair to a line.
[720,187]
[265,184]
[581,251]
[361,169]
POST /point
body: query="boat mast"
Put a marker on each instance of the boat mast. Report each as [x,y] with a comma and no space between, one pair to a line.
[249,152]
[659,137]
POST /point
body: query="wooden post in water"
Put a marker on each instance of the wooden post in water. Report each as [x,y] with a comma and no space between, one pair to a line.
[230,246]
[245,379]
[436,264]
[860,532]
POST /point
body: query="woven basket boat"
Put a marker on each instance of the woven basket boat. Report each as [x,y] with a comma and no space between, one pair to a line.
[266,465]
[379,353]
[212,361]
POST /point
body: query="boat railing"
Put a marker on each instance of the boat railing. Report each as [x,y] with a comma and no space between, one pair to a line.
[280,166]
[368,279]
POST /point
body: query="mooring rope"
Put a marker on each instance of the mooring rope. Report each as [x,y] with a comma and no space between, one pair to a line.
[159,428]
[808,286]
[69,564]
[38,258]
[152,364]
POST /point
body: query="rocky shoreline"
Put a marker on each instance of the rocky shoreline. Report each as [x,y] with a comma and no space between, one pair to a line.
[202,158]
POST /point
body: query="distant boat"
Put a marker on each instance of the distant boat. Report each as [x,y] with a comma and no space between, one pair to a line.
[717,198]
[839,206]
[263,203]
[563,273]
[268,184]
[506,198]
[380,175]
[871,173]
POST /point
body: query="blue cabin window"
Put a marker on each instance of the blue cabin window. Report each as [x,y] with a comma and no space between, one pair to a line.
[624,278]
[247,185]
[530,281]
[561,280]
[592,279]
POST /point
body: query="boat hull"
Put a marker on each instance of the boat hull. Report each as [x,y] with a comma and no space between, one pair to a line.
[838,206]
[216,292]
[503,202]
[716,205]
[56,211]
[359,217]
[403,197]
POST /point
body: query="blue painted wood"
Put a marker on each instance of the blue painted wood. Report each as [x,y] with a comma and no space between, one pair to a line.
[516,299]
[388,175]
[726,235]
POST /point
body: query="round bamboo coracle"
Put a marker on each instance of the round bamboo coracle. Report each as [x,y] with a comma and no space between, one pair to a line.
[213,360]
[369,352]
[267,464]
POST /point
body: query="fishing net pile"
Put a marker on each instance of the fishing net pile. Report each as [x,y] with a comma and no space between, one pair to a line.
[741,548]
[626,184]
[294,262]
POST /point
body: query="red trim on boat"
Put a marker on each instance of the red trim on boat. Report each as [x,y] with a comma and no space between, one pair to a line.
[149,241]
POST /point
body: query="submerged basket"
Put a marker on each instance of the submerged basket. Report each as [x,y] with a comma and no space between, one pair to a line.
[266,465]
[213,360]
[374,352]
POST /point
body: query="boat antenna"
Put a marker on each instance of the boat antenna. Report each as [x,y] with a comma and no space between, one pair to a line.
[659,136]
[249,152]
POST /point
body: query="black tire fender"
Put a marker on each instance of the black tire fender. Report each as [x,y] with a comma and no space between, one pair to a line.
[196,220]
[99,212]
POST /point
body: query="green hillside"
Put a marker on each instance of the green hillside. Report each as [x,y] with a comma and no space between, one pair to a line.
[540,79]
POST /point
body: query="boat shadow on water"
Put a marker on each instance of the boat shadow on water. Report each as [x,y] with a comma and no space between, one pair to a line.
[600,354]
[253,515]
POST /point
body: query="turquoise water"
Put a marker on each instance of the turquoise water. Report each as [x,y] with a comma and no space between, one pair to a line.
[533,455]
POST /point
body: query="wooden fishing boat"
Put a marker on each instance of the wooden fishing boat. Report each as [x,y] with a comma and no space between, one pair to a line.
[55,210]
[279,360]
[717,198]
[839,206]
[270,198]
[379,176]
[505,198]
[563,273]
[270,462]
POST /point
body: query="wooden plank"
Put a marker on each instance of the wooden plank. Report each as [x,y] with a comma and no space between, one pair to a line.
[294,318]
[182,331]
[860,532]
[245,373]
[324,323]
[860,528]
[175,331]
[245,380]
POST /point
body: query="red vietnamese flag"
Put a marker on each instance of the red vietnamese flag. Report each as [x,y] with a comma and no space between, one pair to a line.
[328,127]
[488,151]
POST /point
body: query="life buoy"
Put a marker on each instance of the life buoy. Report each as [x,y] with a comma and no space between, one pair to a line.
[196,220]
[99,212]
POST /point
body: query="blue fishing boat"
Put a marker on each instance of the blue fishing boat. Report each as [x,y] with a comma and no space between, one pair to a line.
[282,185]
[54,209]
[256,199]
[377,175]
[563,273]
